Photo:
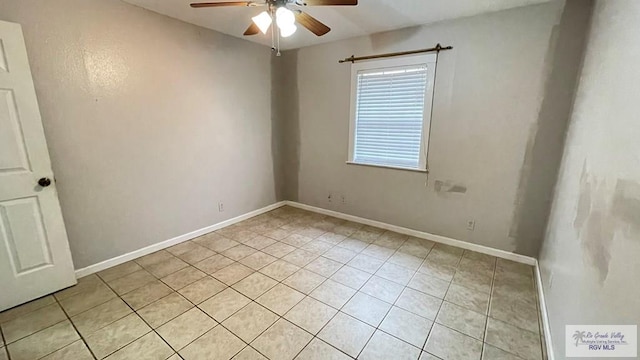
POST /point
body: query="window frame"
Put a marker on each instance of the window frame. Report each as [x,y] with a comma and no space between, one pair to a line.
[423,59]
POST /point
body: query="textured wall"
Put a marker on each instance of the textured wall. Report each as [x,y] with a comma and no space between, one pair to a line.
[150,121]
[497,98]
[589,260]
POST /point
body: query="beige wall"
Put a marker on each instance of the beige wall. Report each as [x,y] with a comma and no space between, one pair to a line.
[589,261]
[493,107]
[150,121]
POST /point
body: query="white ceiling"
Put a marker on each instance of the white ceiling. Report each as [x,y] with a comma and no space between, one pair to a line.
[370,16]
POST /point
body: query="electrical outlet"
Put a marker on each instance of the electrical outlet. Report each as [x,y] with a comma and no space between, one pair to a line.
[471,225]
[221,207]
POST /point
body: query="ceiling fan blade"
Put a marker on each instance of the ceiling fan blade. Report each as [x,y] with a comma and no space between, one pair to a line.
[225,3]
[253,29]
[312,24]
[330,2]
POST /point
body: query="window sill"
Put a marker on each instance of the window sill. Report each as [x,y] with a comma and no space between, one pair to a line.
[388,167]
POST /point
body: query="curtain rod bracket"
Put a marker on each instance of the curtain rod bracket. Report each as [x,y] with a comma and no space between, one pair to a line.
[437,49]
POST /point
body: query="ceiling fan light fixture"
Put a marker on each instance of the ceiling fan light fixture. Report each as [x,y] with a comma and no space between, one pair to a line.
[288,30]
[284,17]
[263,21]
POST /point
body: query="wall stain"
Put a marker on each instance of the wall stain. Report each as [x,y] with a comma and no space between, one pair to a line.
[602,214]
[448,186]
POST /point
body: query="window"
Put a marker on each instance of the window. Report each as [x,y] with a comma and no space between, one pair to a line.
[391,112]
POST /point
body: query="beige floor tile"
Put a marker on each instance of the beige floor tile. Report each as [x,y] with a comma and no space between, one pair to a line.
[116,335]
[183,277]
[427,356]
[405,260]
[310,314]
[468,298]
[514,267]
[202,289]
[224,304]
[514,340]
[43,342]
[260,242]
[238,252]
[282,341]
[429,285]
[84,301]
[280,299]
[166,267]
[208,240]
[304,281]
[153,258]
[254,285]
[119,271]
[320,350]
[333,293]
[493,353]
[250,322]
[187,327]
[323,266]
[233,273]
[347,334]
[440,271]
[378,252]
[340,255]
[131,282]
[406,326]
[5,356]
[382,289]
[331,238]
[347,229]
[240,233]
[32,322]
[468,264]
[18,311]
[502,291]
[414,249]
[366,263]
[367,308]
[353,245]
[196,255]
[148,347]
[183,248]
[473,280]
[440,344]
[395,273]
[249,353]
[515,312]
[465,321]
[164,310]
[317,247]
[279,270]
[419,303]
[146,294]
[311,232]
[383,346]
[74,351]
[214,263]
[367,234]
[258,260]
[351,277]
[296,240]
[100,316]
[300,257]
[85,285]
[220,244]
[218,343]
[278,234]
[278,249]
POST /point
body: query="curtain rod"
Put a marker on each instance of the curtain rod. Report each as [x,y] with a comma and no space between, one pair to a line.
[353,59]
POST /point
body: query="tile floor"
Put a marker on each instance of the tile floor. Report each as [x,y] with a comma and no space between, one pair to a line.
[288,284]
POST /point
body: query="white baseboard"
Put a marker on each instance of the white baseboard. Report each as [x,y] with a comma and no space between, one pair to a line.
[420,234]
[174,241]
[546,327]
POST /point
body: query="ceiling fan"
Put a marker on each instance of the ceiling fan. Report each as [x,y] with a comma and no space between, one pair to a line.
[284,17]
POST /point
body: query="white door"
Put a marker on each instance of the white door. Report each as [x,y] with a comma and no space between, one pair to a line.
[34,252]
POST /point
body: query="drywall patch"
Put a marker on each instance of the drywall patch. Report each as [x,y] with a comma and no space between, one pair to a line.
[603,213]
[449,186]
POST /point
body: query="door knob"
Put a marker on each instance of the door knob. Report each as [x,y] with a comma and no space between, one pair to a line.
[44,182]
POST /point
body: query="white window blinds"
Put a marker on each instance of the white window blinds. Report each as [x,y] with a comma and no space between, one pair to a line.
[389,116]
